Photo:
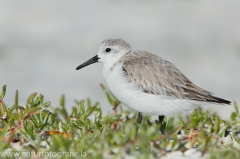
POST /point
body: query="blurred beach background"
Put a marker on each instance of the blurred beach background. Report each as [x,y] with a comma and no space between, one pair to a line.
[42,43]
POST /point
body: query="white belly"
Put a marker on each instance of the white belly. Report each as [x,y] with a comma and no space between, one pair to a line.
[128,94]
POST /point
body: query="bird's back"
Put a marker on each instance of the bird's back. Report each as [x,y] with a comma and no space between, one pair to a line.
[154,75]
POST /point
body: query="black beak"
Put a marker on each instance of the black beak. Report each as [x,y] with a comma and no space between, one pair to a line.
[88,62]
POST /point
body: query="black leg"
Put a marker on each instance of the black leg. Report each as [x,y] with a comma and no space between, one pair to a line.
[139,119]
[160,118]
[162,127]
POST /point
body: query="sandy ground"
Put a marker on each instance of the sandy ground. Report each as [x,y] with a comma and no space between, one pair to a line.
[42,42]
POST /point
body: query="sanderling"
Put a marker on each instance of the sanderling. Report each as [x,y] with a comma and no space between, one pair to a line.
[147,83]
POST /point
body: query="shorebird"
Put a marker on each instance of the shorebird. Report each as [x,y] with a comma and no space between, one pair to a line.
[147,83]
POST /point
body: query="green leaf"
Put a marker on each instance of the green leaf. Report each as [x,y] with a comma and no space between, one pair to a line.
[236,107]
[233,115]
[3,92]
[89,104]
[16,98]
[41,97]
[30,98]
[89,112]
[195,118]
[63,108]
[115,118]
[74,112]
[216,124]
[109,98]
[82,107]
[62,101]
[47,104]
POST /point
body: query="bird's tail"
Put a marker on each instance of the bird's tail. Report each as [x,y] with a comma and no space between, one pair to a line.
[220,100]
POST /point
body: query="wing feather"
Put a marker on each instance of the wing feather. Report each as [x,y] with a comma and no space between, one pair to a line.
[155,75]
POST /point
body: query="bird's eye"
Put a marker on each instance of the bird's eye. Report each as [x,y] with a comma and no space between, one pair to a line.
[108,49]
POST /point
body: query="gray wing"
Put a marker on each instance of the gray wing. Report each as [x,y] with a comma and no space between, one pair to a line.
[155,75]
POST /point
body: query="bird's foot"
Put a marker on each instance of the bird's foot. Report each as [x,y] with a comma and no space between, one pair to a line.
[139,119]
[162,124]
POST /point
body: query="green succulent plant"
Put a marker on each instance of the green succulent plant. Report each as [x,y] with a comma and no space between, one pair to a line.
[39,129]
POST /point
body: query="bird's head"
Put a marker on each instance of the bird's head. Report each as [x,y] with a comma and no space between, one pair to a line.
[110,51]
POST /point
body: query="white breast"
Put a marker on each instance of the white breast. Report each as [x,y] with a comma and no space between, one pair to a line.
[132,97]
